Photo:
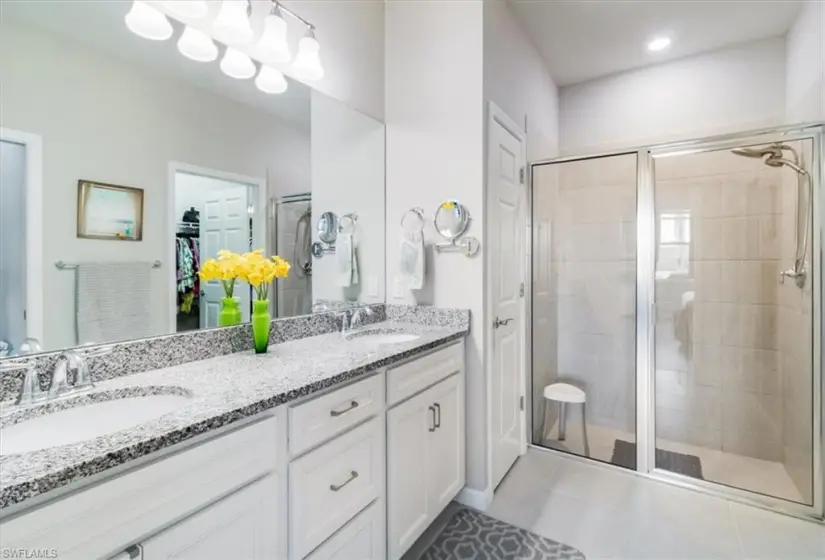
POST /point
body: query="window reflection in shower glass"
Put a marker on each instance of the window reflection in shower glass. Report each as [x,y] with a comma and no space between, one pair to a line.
[733,375]
[584,321]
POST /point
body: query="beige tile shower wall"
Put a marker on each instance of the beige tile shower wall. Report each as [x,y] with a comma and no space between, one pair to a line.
[594,261]
[795,350]
[718,382]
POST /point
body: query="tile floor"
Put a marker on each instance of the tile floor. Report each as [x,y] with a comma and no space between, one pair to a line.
[748,473]
[621,516]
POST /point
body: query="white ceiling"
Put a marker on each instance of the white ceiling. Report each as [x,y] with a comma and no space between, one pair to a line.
[585,39]
[100,25]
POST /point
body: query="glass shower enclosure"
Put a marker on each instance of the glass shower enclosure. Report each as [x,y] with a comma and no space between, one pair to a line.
[676,313]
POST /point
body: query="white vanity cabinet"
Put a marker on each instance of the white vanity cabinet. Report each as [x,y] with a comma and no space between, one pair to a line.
[357,472]
[425,460]
[242,526]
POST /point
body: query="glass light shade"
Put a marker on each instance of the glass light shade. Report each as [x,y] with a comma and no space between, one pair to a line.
[307,63]
[193,9]
[270,80]
[148,22]
[273,46]
[232,22]
[236,64]
[197,45]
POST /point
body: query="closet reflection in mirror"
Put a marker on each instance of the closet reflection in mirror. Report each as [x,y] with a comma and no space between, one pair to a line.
[220,164]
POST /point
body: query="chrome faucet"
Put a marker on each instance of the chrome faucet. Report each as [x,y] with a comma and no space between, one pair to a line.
[359,316]
[70,375]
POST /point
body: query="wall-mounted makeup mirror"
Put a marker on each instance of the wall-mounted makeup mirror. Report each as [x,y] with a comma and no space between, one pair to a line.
[328,227]
[451,222]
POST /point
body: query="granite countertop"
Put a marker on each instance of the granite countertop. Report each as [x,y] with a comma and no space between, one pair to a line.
[223,390]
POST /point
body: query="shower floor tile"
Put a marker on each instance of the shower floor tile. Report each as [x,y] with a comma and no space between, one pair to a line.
[747,473]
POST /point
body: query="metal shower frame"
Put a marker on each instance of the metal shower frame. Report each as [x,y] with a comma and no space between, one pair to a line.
[645,310]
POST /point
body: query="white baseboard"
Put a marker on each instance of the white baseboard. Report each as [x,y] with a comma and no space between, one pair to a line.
[478,499]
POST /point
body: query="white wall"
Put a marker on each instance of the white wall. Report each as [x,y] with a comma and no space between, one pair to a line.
[727,90]
[805,67]
[351,34]
[435,150]
[104,120]
[516,79]
[348,177]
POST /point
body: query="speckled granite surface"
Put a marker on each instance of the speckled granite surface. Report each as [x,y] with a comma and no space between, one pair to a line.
[152,353]
[425,315]
[223,389]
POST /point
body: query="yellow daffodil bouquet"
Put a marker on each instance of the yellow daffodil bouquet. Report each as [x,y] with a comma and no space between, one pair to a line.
[224,268]
[259,271]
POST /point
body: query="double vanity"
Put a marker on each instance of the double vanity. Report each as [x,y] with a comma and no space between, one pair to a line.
[330,446]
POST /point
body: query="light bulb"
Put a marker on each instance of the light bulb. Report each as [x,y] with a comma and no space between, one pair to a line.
[236,64]
[273,46]
[148,22]
[270,80]
[192,9]
[232,22]
[197,45]
[307,63]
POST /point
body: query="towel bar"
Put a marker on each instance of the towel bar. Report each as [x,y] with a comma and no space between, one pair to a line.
[69,266]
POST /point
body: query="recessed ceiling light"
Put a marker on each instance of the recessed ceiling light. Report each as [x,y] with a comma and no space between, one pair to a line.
[658,44]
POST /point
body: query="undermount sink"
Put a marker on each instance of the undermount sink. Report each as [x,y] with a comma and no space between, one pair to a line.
[383,336]
[86,417]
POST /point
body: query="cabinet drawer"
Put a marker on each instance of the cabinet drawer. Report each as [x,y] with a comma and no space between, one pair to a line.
[330,485]
[410,378]
[360,539]
[315,421]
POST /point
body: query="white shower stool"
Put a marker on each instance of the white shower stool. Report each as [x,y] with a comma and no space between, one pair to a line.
[564,394]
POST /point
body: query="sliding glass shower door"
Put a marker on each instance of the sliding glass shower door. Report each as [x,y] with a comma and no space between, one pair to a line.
[584,297]
[734,273]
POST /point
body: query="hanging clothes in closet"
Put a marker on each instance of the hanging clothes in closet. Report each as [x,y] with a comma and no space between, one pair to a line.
[187,251]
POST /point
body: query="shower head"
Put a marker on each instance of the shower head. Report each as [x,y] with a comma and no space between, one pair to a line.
[773,151]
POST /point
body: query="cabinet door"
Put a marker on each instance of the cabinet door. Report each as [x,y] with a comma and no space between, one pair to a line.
[408,434]
[445,464]
[242,526]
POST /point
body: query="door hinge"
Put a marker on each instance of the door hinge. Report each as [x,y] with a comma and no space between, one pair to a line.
[521,403]
[521,175]
[521,290]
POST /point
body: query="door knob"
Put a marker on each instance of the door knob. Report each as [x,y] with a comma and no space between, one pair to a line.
[500,322]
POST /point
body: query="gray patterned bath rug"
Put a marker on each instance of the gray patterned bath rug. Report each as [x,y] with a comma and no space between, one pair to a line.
[472,535]
[624,455]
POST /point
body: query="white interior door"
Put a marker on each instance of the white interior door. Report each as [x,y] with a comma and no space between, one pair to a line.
[224,225]
[507,252]
[12,243]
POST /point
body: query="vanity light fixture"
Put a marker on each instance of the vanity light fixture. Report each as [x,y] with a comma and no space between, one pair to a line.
[232,27]
[270,80]
[196,45]
[192,9]
[236,64]
[148,22]
[232,22]
[307,63]
[658,44]
[273,46]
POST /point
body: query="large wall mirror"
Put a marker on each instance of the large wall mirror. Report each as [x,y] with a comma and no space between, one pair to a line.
[148,164]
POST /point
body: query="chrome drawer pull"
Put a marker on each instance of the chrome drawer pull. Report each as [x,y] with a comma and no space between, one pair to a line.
[334,413]
[352,476]
[433,426]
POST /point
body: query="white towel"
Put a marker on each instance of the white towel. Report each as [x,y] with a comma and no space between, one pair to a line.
[113,301]
[411,266]
[346,259]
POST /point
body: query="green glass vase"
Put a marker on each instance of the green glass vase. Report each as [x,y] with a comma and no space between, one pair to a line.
[230,313]
[260,325]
